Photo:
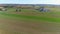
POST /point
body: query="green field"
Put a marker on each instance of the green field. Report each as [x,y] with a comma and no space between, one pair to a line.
[29,21]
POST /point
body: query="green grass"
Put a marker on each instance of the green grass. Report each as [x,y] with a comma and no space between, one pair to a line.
[27,17]
[27,22]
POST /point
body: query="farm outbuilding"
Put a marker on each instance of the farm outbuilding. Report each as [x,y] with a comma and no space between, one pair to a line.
[43,9]
[2,9]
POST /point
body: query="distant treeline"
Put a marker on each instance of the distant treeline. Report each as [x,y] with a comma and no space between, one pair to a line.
[28,5]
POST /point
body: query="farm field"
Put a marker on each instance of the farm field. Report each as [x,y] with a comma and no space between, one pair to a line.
[29,21]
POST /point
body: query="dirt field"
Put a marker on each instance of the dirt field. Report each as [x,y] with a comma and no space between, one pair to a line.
[8,26]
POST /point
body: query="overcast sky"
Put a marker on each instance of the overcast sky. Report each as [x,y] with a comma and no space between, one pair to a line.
[30,2]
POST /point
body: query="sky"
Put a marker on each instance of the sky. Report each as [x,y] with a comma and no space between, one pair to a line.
[57,2]
[9,1]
